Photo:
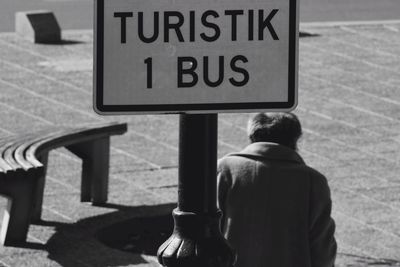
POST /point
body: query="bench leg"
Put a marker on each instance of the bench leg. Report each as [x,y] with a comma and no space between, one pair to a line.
[20,195]
[37,205]
[86,182]
[95,157]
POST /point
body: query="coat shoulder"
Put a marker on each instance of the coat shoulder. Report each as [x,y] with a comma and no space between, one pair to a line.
[314,173]
[231,161]
[318,180]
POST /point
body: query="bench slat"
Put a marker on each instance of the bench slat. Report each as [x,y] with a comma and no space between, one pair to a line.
[74,136]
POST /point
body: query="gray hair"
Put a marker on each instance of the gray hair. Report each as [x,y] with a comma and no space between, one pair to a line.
[283,128]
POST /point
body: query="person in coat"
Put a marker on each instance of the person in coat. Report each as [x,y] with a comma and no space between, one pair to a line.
[276,209]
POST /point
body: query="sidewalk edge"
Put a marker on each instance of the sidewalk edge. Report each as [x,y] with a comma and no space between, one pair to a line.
[348,23]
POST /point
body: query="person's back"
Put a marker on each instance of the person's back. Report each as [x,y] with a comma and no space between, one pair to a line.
[276,209]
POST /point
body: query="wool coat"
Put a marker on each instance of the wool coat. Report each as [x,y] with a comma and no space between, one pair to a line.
[276,209]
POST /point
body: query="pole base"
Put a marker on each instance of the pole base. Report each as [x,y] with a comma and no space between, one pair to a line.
[196,242]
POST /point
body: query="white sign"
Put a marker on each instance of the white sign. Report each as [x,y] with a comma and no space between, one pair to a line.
[191,56]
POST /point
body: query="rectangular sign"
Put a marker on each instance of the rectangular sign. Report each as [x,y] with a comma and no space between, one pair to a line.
[191,56]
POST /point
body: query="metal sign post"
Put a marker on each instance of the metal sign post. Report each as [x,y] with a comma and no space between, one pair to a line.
[197,240]
[189,57]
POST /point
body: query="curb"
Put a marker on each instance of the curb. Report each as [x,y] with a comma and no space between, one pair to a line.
[348,23]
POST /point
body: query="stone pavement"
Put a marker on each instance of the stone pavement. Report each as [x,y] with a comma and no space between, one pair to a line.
[349,104]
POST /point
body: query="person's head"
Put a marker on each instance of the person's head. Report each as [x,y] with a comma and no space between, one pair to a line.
[280,127]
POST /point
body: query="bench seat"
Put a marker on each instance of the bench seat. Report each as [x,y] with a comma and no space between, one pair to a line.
[23,165]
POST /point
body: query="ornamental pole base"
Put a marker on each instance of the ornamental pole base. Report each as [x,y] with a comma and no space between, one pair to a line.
[196,242]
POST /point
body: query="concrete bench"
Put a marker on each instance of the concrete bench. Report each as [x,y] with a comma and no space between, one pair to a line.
[23,164]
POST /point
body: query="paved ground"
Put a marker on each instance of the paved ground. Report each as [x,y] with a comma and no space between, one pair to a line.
[349,106]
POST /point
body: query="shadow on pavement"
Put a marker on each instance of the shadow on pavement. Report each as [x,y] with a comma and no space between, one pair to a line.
[63,42]
[138,235]
[303,34]
[126,235]
[360,261]
[118,238]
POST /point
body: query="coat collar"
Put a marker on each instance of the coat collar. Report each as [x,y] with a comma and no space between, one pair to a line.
[269,151]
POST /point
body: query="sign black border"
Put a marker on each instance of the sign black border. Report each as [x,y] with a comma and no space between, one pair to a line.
[187,108]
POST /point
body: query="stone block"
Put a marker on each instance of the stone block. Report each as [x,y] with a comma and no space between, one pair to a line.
[39,26]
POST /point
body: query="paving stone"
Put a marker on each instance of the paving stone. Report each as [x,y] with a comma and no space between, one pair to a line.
[392,154]
[168,194]
[237,119]
[357,181]
[384,146]
[346,63]
[148,149]
[335,129]
[148,180]
[64,170]
[356,81]
[58,114]
[49,88]
[127,194]
[383,193]
[388,129]
[344,170]
[316,161]
[358,51]
[331,149]
[160,128]
[341,111]
[51,51]
[232,134]
[363,208]
[366,238]
[122,163]
[10,116]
